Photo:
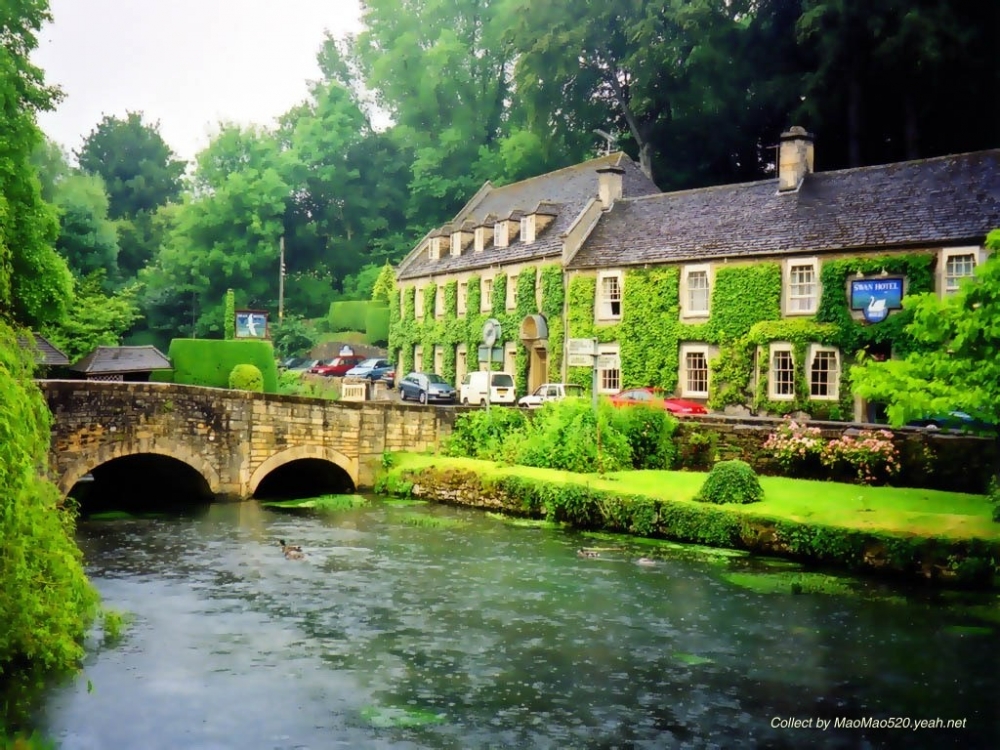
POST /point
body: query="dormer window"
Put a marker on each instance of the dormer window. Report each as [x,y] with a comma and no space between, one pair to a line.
[480,239]
[434,250]
[528,228]
[500,236]
[456,243]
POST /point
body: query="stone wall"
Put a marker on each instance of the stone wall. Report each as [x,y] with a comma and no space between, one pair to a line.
[931,459]
[233,438]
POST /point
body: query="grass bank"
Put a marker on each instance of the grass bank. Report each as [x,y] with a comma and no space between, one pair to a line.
[927,533]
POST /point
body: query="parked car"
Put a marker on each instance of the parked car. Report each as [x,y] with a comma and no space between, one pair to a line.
[551,392]
[955,420]
[657,397]
[303,365]
[500,387]
[426,387]
[336,367]
[372,369]
[290,363]
[389,378]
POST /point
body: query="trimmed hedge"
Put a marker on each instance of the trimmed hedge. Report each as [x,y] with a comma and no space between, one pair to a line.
[377,324]
[348,316]
[246,378]
[731,482]
[208,362]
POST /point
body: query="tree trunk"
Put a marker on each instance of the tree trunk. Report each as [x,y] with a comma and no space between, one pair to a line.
[854,119]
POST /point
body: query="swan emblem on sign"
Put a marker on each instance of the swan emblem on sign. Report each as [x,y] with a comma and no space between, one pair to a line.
[876,306]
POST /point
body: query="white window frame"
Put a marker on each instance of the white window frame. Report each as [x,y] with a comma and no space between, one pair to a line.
[418,302]
[789,298]
[511,301]
[486,295]
[462,297]
[456,244]
[604,309]
[528,228]
[434,250]
[501,237]
[480,239]
[686,390]
[687,310]
[950,253]
[439,301]
[418,358]
[833,383]
[609,380]
[438,358]
[782,347]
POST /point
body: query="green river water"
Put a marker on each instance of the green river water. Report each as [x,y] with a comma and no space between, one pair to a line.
[422,626]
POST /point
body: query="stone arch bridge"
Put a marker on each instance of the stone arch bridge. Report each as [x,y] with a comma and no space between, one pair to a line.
[232,439]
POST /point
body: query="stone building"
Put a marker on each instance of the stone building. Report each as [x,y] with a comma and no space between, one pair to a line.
[755,296]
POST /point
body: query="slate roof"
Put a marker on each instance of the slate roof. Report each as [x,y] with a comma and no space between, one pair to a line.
[48,354]
[122,359]
[946,200]
[564,192]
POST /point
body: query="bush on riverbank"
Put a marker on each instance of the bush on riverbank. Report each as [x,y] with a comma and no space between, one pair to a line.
[46,601]
[568,435]
[731,482]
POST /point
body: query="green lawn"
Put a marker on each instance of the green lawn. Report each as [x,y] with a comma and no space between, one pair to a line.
[890,509]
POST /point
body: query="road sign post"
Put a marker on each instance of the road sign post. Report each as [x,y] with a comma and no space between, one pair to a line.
[491,333]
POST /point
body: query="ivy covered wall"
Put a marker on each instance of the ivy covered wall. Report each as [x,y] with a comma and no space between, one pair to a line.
[451,329]
[745,315]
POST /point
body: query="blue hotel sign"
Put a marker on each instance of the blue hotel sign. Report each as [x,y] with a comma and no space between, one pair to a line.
[876,297]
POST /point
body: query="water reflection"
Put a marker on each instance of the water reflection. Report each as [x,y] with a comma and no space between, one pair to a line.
[447,629]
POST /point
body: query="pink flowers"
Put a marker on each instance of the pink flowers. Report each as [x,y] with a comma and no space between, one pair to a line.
[870,455]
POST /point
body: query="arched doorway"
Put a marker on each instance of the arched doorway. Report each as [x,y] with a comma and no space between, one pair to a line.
[534,335]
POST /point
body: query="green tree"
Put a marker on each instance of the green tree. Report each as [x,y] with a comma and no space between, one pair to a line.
[957,364]
[87,238]
[292,336]
[94,317]
[385,285]
[34,281]
[229,324]
[138,167]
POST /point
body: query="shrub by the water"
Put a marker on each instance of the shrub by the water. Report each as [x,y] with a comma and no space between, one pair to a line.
[46,602]
[731,482]
[650,434]
[482,433]
[247,378]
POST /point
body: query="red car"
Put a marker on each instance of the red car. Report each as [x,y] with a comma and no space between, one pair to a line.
[336,367]
[656,397]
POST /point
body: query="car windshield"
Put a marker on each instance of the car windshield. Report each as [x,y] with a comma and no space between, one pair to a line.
[503,380]
[435,378]
[368,363]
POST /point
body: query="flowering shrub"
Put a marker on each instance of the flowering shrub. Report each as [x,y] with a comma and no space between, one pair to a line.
[795,446]
[871,455]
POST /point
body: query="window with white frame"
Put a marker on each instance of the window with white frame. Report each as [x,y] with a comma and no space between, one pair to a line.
[463,297]
[694,370]
[439,301]
[958,266]
[609,296]
[697,290]
[802,287]
[438,359]
[609,369]
[486,303]
[418,358]
[456,243]
[824,373]
[511,292]
[434,251]
[528,229]
[418,303]
[781,377]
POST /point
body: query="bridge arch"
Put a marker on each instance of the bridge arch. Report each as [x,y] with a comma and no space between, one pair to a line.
[160,447]
[297,453]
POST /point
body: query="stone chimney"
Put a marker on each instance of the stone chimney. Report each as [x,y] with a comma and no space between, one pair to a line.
[609,185]
[795,158]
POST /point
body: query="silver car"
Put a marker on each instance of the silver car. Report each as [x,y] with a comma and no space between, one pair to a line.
[426,387]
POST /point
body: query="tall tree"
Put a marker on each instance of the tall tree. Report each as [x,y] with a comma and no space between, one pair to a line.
[87,238]
[34,281]
[138,167]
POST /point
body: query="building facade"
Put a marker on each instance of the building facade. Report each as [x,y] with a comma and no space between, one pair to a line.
[755,296]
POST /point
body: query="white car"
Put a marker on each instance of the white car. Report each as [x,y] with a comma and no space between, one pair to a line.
[551,392]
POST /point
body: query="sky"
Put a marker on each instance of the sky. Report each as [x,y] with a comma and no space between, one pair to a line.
[187,64]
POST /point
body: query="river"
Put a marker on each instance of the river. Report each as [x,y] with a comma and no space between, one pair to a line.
[421,626]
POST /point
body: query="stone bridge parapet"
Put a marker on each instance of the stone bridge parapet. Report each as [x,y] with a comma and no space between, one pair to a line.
[232,438]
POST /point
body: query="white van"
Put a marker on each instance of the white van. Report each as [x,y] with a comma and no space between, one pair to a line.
[473,390]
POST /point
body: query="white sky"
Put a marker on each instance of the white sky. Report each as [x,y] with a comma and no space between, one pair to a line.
[187,63]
